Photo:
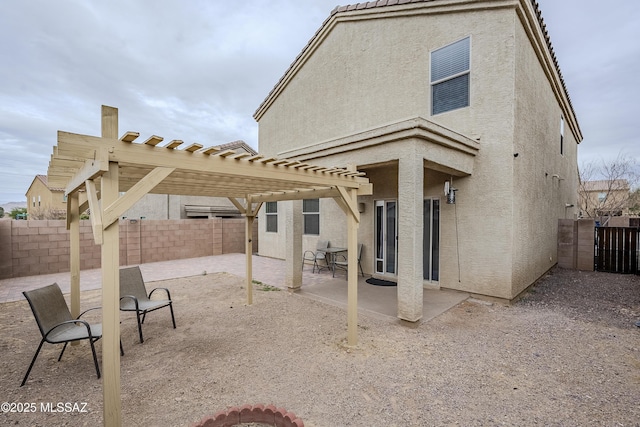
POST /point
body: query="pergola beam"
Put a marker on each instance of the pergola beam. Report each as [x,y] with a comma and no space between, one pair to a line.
[114,211]
[84,201]
[96,212]
[296,195]
[92,169]
[351,204]
[238,205]
[75,145]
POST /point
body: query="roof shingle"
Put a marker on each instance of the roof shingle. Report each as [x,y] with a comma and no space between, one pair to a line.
[44,180]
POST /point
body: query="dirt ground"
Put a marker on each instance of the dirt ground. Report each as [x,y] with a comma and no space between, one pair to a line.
[566,354]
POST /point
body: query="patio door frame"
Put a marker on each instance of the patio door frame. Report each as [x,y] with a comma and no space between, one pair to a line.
[431,239]
[386,237]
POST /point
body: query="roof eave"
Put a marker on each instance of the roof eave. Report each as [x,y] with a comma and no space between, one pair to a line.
[529,12]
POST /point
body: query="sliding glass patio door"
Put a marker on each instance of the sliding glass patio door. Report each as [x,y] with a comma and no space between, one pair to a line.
[386,237]
[431,240]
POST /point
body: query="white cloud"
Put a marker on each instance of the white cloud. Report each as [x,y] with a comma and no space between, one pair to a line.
[197,70]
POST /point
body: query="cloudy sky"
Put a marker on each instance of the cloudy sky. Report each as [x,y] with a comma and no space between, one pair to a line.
[197,70]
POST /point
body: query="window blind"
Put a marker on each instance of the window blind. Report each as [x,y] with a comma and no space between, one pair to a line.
[450,77]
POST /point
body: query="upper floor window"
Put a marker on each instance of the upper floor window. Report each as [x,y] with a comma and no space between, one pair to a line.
[311,216]
[450,77]
[271,213]
[602,197]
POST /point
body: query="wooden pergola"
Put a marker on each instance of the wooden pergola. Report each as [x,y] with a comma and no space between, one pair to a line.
[109,174]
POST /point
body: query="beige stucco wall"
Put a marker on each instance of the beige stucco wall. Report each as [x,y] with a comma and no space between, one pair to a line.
[40,199]
[545,180]
[500,236]
[372,72]
[166,206]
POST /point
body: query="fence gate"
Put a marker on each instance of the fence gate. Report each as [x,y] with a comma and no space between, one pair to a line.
[617,249]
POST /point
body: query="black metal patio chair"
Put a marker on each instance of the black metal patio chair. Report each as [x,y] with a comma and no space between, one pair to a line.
[134,297]
[343,264]
[318,257]
[56,324]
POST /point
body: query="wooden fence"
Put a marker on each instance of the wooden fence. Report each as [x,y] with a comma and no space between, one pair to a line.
[616,249]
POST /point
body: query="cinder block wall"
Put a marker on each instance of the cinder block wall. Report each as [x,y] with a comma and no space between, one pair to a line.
[42,247]
[233,236]
[586,244]
[576,244]
[5,248]
[163,240]
[30,248]
[567,243]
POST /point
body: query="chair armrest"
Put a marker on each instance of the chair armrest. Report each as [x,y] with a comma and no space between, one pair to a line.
[87,310]
[162,289]
[135,300]
[86,324]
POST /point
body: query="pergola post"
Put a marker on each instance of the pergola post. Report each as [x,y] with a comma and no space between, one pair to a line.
[293,246]
[110,263]
[248,248]
[352,274]
[73,215]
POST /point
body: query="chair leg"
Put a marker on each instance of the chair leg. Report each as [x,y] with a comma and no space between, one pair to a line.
[95,358]
[360,265]
[140,326]
[173,319]
[33,361]
[64,347]
[121,350]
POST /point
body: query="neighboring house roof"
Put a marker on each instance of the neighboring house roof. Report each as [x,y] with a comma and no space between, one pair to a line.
[238,145]
[606,185]
[43,179]
[387,4]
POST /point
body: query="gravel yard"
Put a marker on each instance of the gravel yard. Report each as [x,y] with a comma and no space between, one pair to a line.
[566,354]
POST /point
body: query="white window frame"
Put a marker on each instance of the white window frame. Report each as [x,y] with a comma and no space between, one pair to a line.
[434,83]
[308,214]
[267,215]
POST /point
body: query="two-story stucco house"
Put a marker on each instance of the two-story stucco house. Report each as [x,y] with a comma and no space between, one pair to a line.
[45,202]
[423,95]
[604,198]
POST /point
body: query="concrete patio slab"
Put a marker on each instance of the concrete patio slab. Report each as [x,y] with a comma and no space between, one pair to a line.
[372,300]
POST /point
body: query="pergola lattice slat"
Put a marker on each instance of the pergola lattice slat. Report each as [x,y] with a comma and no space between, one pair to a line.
[135,156]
